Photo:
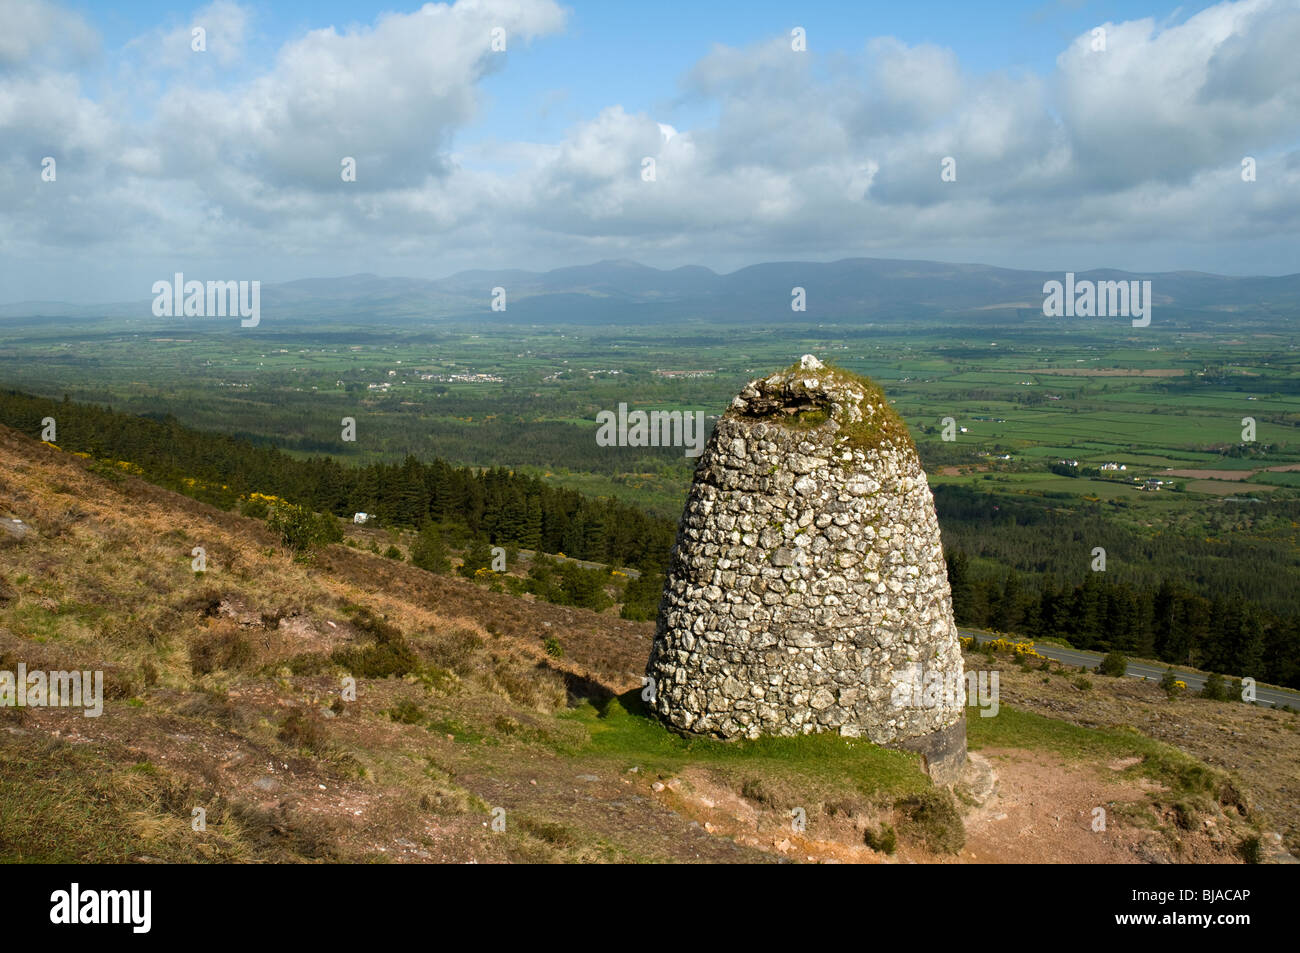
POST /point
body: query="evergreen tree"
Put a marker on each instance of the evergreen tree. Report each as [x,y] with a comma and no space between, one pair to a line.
[1007,615]
[478,556]
[530,536]
[430,550]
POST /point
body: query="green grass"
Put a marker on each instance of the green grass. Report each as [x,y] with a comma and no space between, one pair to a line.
[1181,773]
[1280,478]
[623,730]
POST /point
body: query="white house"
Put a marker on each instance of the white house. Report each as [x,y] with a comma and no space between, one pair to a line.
[361,517]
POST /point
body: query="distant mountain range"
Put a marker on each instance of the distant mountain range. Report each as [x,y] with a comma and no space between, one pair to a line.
[865,290]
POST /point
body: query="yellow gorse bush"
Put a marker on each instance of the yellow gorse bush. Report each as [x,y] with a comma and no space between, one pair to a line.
[194,484]
[1017,647]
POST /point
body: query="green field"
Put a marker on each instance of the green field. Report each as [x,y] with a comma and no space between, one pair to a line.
[1125,405]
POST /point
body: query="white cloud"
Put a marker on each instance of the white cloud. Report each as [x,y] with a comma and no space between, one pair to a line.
[224,25]
[1166,104]
[806,156]
[35,31]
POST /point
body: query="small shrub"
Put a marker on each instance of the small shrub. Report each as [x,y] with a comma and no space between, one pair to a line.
[377,627]
[254,508]
[1215,688]
[1251,850]
[1113,664]
[1171,684]
[1082,684]
[478,556]
[884,841]
[1184,815]
[406,712]
[641,597]
[557,835]
[454,651]
[553,647]
[301,530]
[506,725]
[845,806]
[390,654]
[429,552]
[310,663]
[224,649]
[756,790]
[302,730]
[377,661]
[931,818]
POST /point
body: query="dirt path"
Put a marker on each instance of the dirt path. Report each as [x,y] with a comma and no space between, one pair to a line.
[1043,810]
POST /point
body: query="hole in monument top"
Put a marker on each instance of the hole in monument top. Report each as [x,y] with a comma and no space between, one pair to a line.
[806,408]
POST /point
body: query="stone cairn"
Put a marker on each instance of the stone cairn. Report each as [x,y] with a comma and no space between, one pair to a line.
[808,581]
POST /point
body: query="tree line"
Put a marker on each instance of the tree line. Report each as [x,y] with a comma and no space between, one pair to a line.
[1167,621]
[496,503]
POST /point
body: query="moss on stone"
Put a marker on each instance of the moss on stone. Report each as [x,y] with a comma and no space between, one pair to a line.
[801,407]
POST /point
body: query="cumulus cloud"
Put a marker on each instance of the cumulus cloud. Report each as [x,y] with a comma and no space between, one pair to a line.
[213,36]
[1165,104]
[1139,141]
[37,32]
[389,96]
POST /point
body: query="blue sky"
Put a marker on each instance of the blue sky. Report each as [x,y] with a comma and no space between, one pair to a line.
[633,53]
[1069,157]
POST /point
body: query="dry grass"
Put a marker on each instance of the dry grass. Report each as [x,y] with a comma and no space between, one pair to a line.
[225,692]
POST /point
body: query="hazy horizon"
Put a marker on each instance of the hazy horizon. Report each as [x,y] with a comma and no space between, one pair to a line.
[664,269]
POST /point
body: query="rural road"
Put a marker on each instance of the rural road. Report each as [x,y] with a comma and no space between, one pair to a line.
[1263,695]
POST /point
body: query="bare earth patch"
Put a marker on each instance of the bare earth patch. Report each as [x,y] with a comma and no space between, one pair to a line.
[1259,746]
[1042,813]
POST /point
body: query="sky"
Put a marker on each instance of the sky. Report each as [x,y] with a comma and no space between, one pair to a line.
[1059,135]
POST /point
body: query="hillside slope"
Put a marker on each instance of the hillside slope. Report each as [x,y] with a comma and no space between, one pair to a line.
[224,704]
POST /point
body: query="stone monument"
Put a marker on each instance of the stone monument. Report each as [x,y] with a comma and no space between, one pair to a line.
[807,590]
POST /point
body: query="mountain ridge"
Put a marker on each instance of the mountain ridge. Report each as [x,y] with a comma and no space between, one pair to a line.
[865,288]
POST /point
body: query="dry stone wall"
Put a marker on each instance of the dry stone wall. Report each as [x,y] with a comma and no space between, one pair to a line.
[808,581]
